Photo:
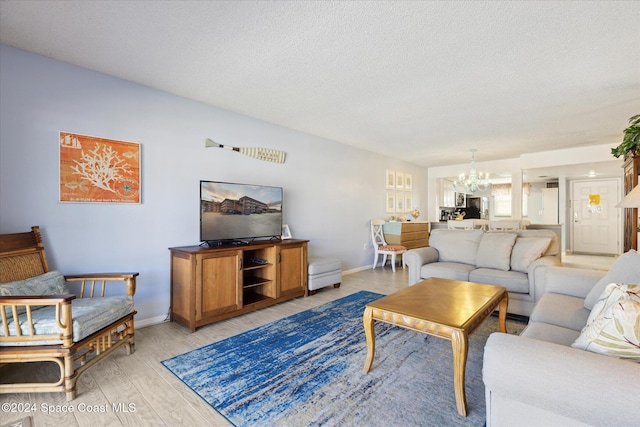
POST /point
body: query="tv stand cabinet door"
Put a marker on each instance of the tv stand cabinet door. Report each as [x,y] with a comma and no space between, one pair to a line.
[292,268]
[220,284]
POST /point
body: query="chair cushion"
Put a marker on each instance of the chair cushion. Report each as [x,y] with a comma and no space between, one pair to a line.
[613,327]
[392,248]
[89,316]
[51,283]
[526,250]
[494,250]
[626,269]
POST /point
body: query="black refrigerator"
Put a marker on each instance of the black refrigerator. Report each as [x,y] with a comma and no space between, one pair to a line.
[477,208]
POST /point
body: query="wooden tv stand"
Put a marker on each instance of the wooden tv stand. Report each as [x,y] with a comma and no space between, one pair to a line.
[212,284]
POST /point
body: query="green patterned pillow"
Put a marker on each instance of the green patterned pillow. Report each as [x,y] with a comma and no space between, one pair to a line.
[613,327]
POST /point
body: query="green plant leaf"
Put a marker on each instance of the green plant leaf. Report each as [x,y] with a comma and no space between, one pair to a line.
[630,140]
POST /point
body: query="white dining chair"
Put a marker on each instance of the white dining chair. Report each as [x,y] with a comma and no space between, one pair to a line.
[381,247]
[505,225]
[464,224]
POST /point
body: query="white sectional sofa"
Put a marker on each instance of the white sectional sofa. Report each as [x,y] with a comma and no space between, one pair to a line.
[539,379]
[514,260]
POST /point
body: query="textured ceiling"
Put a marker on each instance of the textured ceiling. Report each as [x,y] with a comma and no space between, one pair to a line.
[421,81]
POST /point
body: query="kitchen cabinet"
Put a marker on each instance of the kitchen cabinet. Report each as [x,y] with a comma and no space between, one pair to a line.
[447,194]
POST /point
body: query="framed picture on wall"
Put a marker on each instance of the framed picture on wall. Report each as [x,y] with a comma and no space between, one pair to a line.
[461,200]
[399,181]
[391,179]
[98,170]
[408,182]
[408,202]
[399,203]
[391,202]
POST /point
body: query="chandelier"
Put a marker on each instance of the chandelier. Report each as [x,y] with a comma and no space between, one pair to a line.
[474,181]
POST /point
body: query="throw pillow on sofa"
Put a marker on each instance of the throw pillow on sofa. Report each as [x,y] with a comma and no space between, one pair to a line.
[494,251]
[613,327]
[526,250]
[626,269]
[456,245]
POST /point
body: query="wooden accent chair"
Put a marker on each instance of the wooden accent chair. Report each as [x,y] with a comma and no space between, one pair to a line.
[75,332]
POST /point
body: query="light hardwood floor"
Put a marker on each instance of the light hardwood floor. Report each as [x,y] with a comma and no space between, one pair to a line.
[149,395]
[137,390]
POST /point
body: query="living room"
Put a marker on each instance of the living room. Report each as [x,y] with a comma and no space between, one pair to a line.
[331,189]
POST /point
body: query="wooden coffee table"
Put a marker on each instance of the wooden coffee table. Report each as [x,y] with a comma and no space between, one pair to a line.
[449,309]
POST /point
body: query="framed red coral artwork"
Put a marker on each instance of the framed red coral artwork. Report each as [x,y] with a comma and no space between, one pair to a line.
[98,170]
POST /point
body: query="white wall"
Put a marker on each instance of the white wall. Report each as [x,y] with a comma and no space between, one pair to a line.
[331,190]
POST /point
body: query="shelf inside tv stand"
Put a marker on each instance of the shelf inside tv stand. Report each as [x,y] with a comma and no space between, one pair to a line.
[253,266]
[253,281]
[250,297]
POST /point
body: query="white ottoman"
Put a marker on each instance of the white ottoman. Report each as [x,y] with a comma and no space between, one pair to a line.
[324,272]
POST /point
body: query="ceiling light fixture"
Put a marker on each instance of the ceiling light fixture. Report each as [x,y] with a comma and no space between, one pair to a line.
[475,181]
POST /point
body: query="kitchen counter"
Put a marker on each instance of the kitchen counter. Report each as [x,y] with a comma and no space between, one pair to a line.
[481,223]
[484,224]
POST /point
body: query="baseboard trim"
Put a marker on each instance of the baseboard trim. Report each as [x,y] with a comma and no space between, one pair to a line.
[150,321]
[161,319]
[355,270]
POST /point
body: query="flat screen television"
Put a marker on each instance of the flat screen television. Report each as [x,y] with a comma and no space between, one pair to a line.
[239,213]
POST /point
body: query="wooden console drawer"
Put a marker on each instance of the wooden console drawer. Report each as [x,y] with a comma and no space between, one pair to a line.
[410,234]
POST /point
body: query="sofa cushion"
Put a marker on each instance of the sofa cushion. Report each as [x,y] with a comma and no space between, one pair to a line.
[51,283]
[526,250]
[513,281]
[494,250]
[456,245]
[626,269]
[446,270]
[613,328]
[561,310]
[89,316]
[550,333]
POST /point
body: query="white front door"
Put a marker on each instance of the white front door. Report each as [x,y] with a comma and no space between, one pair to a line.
[593,231]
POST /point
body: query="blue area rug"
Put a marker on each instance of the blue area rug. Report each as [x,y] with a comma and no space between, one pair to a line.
[306,370]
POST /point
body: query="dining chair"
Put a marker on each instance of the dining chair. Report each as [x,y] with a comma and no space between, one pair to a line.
[465,224]
[505,225]
[381,247]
